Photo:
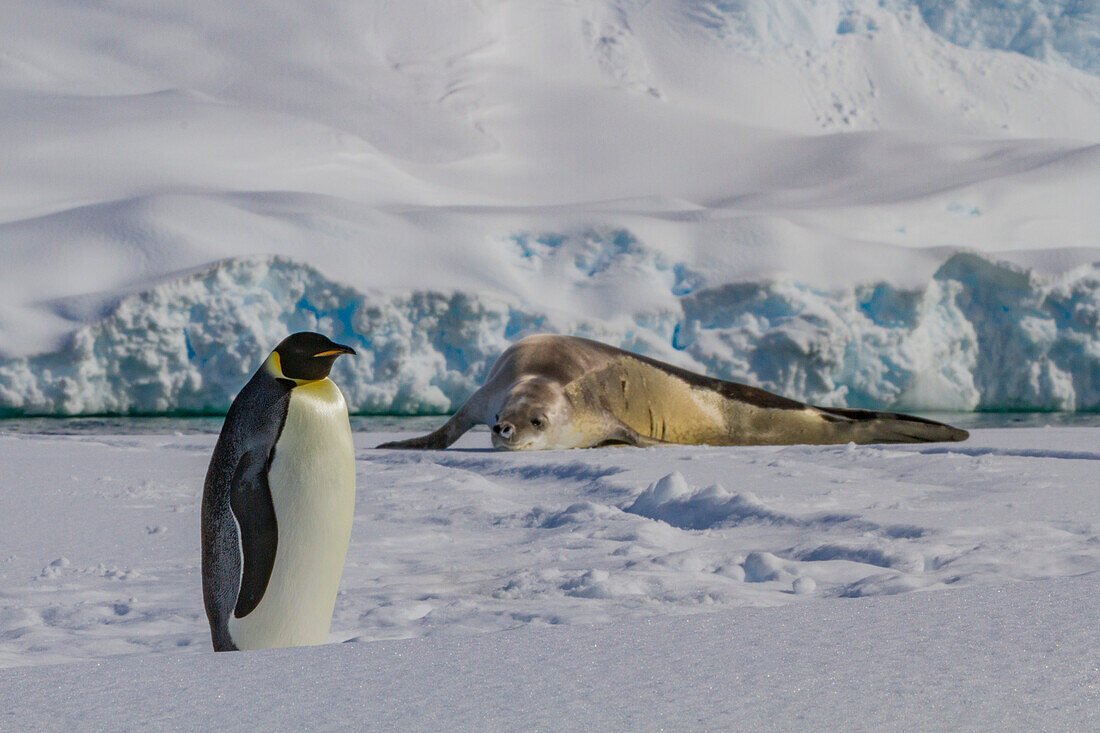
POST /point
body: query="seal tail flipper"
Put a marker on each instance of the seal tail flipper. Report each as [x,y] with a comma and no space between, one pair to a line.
[451,431]
[869,426]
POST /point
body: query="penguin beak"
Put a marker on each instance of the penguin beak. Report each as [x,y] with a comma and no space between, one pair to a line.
[340,349]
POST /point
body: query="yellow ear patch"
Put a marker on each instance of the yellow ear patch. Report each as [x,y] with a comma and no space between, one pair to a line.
[275,365]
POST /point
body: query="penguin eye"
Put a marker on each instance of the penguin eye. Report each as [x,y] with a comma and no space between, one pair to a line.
[538,423]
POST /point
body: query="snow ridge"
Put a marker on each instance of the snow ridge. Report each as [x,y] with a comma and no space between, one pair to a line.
[979,335]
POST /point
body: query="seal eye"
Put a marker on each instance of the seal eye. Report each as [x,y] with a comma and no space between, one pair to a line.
[538,423]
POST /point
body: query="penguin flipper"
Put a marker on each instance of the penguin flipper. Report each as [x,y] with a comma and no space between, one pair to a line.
[254,510]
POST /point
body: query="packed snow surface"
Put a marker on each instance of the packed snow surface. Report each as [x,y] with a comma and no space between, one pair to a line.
[858,203]
[975,659]
[691,587]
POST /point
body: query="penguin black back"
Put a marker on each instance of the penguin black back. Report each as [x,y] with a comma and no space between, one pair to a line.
[236,485]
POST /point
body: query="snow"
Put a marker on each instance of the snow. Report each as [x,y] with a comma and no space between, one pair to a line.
[855,586]
[843,181]
[850,202]
[882,663]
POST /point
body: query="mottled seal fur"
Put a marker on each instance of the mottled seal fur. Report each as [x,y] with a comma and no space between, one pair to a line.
[549,391]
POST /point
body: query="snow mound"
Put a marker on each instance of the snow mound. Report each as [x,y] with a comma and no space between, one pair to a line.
[670,500]
[979,334]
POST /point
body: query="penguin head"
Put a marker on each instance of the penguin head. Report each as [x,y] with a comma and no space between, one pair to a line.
[305,357]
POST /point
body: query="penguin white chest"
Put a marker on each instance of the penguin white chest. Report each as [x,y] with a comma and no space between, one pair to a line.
[312,482]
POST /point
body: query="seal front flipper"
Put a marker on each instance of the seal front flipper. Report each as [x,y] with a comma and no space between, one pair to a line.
[621,434]
[253,509]
[451,431]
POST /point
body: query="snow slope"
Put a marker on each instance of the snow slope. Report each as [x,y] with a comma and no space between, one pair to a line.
[605,167]
[779,587]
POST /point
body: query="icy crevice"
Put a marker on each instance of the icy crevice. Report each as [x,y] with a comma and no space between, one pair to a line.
[979,335]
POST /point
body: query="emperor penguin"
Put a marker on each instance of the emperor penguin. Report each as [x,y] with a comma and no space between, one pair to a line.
[278,503]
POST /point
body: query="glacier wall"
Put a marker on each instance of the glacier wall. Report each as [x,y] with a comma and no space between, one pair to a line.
[978,335]
[1047,30]
[1064,32]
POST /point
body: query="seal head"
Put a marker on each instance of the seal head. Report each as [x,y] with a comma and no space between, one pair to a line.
[535,416]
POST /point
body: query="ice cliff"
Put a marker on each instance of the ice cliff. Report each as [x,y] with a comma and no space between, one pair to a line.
[979,335]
